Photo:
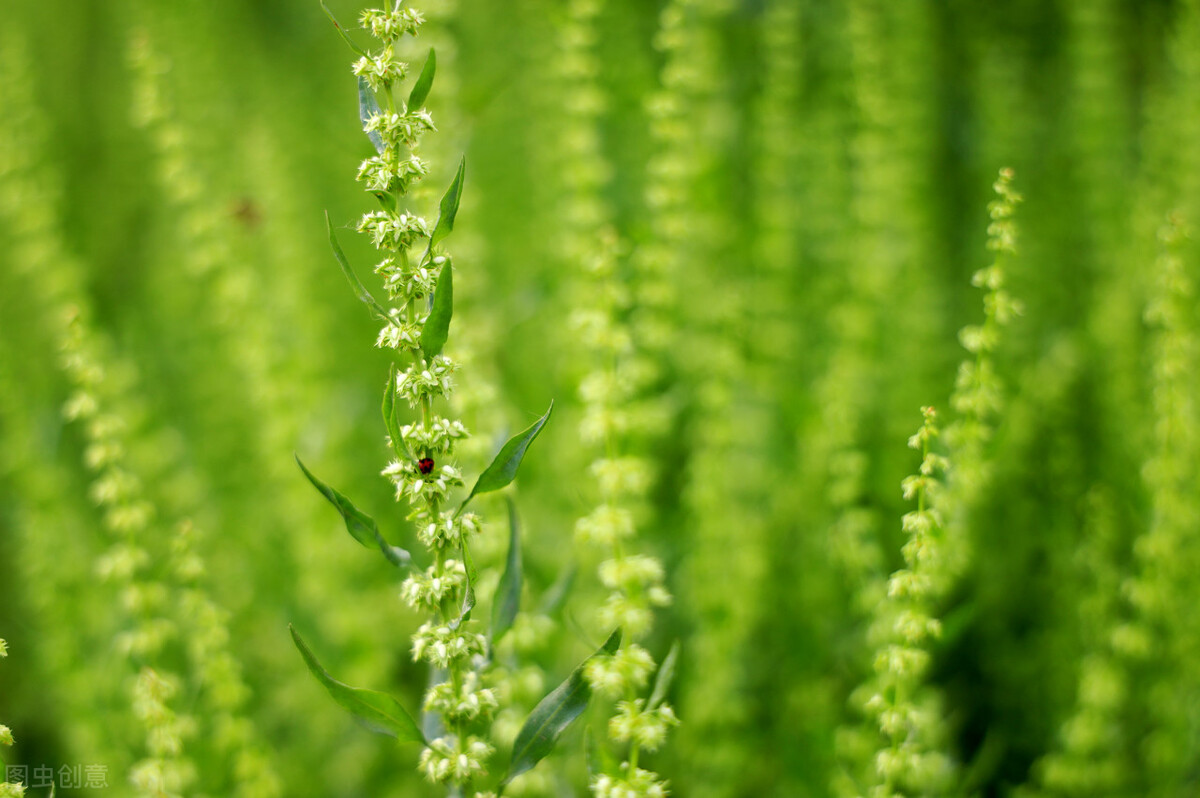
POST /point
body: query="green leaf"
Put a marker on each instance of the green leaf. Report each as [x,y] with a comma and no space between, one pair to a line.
[508,593]
[360,525]
[469,596]
[662,679]
[361,290]
[420,89]
[503,469]
[389,412]
[552,716]
[377,712]
[386,200]
[448,208]
[437,323]
[368,107]
[345,36]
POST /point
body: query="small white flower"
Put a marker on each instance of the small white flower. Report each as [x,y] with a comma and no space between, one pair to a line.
[440,645]
[388,26]
[444,761]
[427,590]
[382,70]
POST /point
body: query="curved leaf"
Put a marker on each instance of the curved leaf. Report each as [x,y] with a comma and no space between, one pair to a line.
[437,323]
[448,208]
[368,107]
[361,290]
[552,716]
[503,469]
[389,412]
[664,677]
[469,596]
[377,712]
[342,31]
[360,525]
[424,82]
[508,594]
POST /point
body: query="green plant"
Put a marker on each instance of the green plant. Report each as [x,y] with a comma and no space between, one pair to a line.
[418,279]
[912,753]
[612,393]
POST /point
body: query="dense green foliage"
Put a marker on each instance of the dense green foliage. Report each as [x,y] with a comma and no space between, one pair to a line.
[734,241]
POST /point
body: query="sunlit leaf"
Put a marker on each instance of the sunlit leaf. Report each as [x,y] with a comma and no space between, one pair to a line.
[468,596]
[664,677]
[360,525]
[437,323]
[361,290]
[424,82]
[503,469]
[552,716]
[377,712]
[389,412]
[448,208]
[342,31]
[508,594]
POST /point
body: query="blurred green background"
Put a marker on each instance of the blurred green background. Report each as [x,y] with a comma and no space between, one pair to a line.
[164,168]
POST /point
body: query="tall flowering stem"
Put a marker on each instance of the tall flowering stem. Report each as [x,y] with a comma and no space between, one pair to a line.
[417,278]
[610,394]
[1158,642]
[911,753]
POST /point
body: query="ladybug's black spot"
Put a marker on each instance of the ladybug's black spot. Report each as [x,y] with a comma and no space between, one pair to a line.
[425,464]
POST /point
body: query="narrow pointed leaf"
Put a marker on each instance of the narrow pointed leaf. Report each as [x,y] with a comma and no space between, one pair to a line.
[664,677]
[503,469]
[437,323]
[361,290]
[389,412]
[342,31]
[448,208]
[360,525]
[469,596]
[368,107]
[394,554]
[552,716]
[508,593]
[424,82]
[377,712]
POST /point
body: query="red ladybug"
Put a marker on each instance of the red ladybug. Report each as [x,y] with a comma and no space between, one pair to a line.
[425,465]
